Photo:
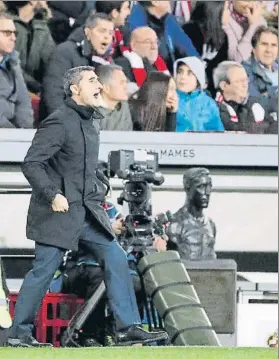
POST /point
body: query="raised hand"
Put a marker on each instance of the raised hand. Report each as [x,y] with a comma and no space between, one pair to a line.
[226,13]
[254,13]
[172,103]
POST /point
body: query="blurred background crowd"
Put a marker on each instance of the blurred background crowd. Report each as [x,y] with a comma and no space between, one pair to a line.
[175,66]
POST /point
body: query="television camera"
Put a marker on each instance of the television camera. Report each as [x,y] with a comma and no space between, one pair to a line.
[139,170]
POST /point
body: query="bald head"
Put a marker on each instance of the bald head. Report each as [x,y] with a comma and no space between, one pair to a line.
[142,32]
[144,42]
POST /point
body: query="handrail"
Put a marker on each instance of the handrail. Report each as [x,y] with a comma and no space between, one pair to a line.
[15,181]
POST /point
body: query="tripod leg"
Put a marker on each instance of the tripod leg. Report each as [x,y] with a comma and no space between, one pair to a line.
[82,314]
[154,316]
[146,305]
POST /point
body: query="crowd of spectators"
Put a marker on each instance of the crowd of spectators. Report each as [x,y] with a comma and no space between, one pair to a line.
[176,66]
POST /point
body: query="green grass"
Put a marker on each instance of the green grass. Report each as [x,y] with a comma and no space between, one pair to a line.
[140,353]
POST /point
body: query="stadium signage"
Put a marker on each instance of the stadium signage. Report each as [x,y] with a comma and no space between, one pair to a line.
[174,149]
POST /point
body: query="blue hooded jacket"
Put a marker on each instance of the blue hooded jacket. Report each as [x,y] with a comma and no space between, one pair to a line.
[197,112]
[175,37]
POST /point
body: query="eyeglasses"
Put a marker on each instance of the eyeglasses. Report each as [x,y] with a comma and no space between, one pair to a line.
[9,33]
[239,81]
[149,42]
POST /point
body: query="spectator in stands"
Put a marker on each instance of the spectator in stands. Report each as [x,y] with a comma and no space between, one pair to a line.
[142,57]
[270,12]
[114,96]
[154,106]
[15,105]
[88,52]
[34,42]
[182,10]
[197,111]
[240,22]
[67,16]
[2,6]
[206,32]
[174,43]
[118,11]
[262,68]
[238,111]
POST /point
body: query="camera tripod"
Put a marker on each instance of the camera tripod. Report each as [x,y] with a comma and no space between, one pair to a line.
[71,335]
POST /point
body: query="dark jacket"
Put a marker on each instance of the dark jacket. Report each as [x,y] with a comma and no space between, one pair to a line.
[260,85]
[35,45]
[15,105]
[71,53]
[62,11]
[138,126]
[63,159]
[246,118]
[174,43]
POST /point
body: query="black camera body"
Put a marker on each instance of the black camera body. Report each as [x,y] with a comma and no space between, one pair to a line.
[135,166]
[139,170]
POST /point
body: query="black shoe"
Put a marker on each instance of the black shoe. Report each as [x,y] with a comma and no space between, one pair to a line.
[90,342]
[136,335]
[26,342]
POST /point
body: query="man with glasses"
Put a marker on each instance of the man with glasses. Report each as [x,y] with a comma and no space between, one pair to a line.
[238,110]
[144,56]
[15,104]
[174,43]
[34,42]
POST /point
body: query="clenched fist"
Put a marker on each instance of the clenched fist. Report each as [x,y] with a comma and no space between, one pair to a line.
[60,204]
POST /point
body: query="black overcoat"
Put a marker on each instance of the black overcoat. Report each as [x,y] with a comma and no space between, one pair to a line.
[63,159]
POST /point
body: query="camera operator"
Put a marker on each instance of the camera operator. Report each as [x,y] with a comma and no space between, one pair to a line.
[82,275]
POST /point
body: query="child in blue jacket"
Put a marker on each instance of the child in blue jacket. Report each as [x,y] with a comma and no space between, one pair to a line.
[197,111]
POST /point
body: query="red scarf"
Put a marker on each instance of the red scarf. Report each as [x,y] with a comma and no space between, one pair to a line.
[257,110]
[136,61]
[183,9]
[220,99]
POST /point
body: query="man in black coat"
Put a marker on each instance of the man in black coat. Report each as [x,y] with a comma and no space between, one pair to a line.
[85,47]
[66,210]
